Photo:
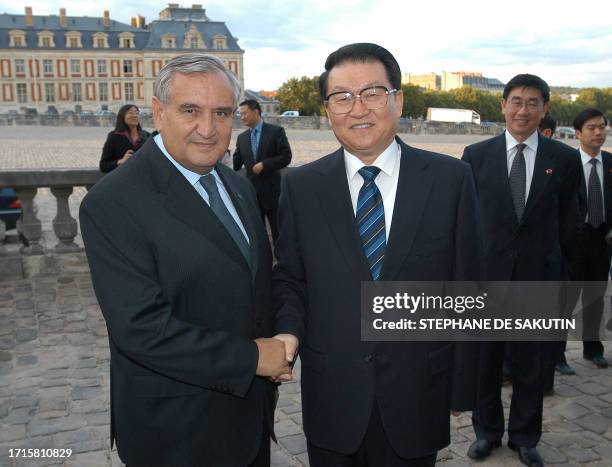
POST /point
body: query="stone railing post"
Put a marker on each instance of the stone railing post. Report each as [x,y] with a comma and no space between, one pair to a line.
[30,225]
[64,225]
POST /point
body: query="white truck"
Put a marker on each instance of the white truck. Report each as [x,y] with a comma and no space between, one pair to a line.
[453,115]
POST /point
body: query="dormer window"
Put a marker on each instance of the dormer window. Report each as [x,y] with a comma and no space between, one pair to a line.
[17,38]
[100,40]
[45,39]
[126,40]
[193,39]
[168,41]
[73,40]
[220,42]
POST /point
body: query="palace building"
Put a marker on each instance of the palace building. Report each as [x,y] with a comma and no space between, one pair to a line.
[81,63]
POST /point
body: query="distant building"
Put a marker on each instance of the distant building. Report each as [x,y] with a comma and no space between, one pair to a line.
[457,79]
[429,81]
[81,63]
[269,104]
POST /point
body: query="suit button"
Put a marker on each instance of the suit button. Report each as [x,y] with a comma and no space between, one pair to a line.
[368,358]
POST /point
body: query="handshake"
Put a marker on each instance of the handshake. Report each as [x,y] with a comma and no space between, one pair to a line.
[276,355]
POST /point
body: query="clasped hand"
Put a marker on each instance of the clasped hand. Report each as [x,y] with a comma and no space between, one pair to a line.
[275,357]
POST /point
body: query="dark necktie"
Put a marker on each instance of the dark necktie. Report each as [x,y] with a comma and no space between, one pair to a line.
[594,198]
[370,215]
[254,143]
[518,181]
[218,207]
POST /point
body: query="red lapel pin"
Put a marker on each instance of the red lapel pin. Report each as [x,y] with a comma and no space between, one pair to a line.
[549,171]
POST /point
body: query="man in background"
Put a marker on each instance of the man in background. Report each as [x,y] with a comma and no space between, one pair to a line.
[263,149]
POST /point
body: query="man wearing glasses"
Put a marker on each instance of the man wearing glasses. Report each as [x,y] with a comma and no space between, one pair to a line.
[527,187]
[374,210]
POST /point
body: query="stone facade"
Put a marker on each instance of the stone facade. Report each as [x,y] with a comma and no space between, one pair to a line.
[83,63]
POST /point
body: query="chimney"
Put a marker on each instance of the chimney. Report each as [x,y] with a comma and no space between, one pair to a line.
[29,21]
[195,6]
[62,18]
[134,21]
[106,19]
[141,22]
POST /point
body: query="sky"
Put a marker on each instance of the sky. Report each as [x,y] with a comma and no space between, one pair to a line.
[568,43]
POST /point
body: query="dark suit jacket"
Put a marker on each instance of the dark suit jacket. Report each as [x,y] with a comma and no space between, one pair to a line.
[541,245]
[273,152]
[182,309]
[115,146]
[434,236]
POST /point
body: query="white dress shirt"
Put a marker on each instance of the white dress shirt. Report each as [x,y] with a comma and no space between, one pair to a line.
[530,151]
[386,181]
[194,180]
[586,169]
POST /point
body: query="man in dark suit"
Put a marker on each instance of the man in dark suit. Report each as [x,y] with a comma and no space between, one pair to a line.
[264,150]
[590,274]
[375,209]
[181,268]
[526,187]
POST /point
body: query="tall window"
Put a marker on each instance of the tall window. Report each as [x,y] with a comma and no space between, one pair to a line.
[128,67]
[74,43]
[75,66]
[127,43]
[49,92]
[76,92]
[101,66]
[19,65]
[194,42]
[46,42]
[18,41]
[22,93]
[48,66]
[103,91]
[129,92]
[100,43]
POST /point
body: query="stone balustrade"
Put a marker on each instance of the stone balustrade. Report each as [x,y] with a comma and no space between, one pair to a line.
[61,183]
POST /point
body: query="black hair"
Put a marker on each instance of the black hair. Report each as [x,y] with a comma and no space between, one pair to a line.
[548,123]
[528,81]
[362,53]
[251,104]
[120,124]
[581,118]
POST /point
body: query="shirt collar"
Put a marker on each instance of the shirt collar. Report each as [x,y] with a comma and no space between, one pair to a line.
[192,177]
[257,128]
[586,158]
[531,142]
[385,162]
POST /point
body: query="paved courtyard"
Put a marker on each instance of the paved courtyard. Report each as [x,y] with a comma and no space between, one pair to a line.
[54,360]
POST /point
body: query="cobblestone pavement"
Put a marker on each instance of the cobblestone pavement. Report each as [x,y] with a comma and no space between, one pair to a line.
[54,387]
[54,361]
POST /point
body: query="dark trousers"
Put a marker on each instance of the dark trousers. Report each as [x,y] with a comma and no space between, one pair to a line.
[527,366]
[589,282]
[375,451]
[271,215]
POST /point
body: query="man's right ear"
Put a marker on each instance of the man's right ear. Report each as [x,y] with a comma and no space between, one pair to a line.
[158,109]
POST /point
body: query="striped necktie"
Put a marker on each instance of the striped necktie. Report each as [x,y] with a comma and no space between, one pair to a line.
[370,215]
[254,143]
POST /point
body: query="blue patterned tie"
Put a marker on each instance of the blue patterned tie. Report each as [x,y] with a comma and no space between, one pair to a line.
[254,143]
[370,215]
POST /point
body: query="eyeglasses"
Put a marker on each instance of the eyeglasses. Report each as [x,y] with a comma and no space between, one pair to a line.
[531,104]
[374,98]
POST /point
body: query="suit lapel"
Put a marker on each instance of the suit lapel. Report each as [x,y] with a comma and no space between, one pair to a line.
[186,205]
[606,158]
[542,172]
[497,163]
[413,189]
[335,200]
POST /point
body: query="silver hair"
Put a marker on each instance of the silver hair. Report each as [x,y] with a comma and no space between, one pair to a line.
[187,64]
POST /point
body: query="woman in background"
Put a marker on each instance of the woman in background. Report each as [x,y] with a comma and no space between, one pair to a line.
[127,137]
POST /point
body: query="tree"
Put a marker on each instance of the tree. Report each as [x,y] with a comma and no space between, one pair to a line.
[301,94]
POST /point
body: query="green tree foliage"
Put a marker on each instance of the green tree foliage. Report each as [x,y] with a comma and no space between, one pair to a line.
[301,94]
